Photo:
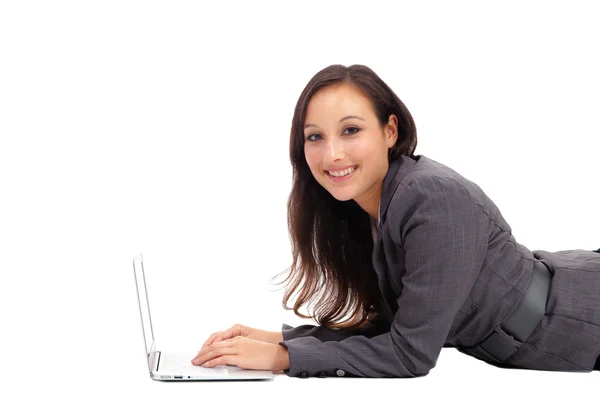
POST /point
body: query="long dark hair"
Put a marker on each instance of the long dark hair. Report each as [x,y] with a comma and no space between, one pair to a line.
[332,271]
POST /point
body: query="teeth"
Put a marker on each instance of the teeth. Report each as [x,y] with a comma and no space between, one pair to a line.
[342,173]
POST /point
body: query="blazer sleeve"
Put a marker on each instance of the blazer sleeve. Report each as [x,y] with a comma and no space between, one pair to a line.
[374,327]
[443,234]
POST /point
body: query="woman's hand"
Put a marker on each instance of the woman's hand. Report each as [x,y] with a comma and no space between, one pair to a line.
[245,353]
[239,330]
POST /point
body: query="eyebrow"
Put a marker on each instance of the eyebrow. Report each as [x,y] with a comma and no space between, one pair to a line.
[341,120]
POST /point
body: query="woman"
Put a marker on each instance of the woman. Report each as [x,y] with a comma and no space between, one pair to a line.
[398,256]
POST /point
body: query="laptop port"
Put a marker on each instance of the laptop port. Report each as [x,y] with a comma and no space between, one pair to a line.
[178,377]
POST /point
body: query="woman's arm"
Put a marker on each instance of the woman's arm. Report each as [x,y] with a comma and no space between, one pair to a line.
[375,326]
[443,234]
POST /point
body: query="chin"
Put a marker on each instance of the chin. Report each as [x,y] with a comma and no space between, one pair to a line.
[342,197]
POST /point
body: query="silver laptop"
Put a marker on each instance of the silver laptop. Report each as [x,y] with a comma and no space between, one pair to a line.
[165,366]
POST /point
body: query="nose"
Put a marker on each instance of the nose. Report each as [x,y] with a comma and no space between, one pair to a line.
[335,149]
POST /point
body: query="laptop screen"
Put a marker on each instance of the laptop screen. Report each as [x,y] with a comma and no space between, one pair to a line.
[142,293]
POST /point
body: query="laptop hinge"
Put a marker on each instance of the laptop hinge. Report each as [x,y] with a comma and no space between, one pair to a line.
[157,361]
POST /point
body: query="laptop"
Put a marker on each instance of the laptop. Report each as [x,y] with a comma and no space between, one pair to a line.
[166,366]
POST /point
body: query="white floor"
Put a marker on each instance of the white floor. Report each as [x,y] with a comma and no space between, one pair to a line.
[163,127]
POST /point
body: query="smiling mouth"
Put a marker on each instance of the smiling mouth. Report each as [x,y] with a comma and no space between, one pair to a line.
[346,172]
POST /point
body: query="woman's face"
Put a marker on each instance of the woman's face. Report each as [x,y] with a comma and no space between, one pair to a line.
[345,146]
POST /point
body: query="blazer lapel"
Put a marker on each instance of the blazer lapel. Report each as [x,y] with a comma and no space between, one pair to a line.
[380,266]
[396,172]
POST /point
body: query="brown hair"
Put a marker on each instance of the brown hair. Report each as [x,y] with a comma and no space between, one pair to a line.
[332,270]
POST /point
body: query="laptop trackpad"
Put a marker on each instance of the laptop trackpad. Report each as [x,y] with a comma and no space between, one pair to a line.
[177,364]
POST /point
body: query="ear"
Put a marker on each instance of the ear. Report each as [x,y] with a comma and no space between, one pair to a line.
[390,131]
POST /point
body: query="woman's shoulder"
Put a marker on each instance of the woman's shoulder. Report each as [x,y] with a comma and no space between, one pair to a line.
[428,168]
[421,173]
[426,180]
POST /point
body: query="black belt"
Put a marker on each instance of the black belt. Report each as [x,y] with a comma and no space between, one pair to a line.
[500,345]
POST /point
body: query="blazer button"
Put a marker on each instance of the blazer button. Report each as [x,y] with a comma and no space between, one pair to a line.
[322,374]
[340,372]
[304,375]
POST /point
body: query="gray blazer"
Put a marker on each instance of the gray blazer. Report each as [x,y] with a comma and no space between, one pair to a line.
[450,271]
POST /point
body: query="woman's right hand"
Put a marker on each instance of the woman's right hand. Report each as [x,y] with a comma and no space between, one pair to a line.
[244,331]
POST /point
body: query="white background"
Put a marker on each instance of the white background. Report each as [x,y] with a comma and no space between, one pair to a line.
[163,128]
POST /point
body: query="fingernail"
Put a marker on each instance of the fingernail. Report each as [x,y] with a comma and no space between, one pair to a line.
[195,361]
[206,364]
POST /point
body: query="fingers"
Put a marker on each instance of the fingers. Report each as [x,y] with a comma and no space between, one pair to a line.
[223,360]
[216,337]
[211,339]
[215,351]
[222,335]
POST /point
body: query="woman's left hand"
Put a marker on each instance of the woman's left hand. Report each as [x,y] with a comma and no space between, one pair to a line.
[245,353]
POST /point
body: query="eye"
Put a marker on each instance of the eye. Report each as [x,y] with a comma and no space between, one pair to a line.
[352,129]
[310,137]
